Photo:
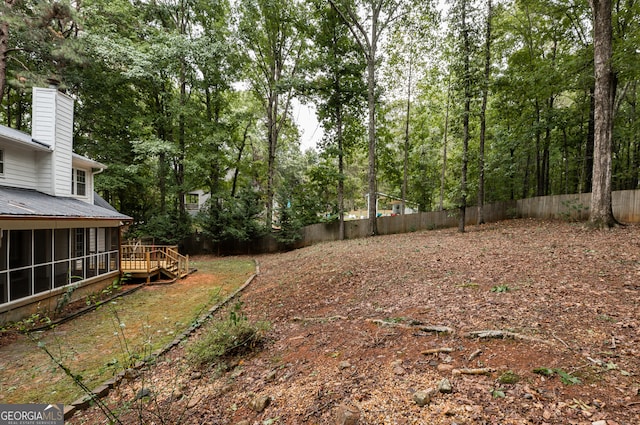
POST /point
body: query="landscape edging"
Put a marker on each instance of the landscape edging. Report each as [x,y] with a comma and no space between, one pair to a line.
[103,390]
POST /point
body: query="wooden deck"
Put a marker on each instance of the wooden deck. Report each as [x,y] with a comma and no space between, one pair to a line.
[152,262]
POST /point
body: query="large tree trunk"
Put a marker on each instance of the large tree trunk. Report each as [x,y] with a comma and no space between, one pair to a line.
[601,214]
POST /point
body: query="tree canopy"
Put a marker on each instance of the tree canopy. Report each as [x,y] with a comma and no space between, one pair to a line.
[436,105]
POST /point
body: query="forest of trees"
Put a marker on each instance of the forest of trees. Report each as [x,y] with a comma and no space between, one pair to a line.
[443,105]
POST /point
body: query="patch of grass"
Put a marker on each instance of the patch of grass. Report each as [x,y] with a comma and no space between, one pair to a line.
[91,345]
[509,378]
[469,285]
[226,268]
[544,371]
[498,393]
[566,378]
[228,338]
[500,288]
[605,318]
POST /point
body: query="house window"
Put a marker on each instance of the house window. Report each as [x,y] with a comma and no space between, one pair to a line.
[191,201]
[1,162]
[4,288]
[19,248]
[79,182]
[192,198]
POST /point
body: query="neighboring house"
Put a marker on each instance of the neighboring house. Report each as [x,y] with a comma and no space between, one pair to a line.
[56,235]
[196,200]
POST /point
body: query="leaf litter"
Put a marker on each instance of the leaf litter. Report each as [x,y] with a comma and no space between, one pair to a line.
[345,318]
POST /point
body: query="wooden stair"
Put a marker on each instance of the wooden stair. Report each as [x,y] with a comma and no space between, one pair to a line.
[148,261]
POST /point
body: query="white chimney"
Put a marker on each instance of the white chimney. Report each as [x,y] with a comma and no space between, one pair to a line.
[52,125]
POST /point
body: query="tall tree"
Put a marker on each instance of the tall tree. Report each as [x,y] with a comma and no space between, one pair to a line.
[466,87]
[38,42]
[483,113]
[601,213]
[338,87]
[4,44]
[367,29]
[272,33]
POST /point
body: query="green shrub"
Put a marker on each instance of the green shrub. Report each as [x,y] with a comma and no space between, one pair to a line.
[235,336]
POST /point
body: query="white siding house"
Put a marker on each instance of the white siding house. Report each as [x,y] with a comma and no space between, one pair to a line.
[55,233]
[196,200]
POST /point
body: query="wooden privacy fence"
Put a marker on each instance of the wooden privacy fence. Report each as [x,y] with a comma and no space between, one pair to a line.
[147,261]
[625,203]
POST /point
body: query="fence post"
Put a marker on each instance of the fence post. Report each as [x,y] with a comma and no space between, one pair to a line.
[148,259]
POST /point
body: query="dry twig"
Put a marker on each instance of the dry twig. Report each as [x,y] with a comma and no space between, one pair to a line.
[475,354]
[507,334]
[479,371]
[437,350]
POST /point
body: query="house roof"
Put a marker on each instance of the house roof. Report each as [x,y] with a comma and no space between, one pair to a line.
[87,162]
[22,138]
[31,204]
[25,140]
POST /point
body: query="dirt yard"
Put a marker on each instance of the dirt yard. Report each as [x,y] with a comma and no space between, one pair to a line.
[377,327]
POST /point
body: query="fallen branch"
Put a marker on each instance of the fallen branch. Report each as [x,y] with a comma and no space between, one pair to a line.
[480,371]
[475,354]
[565,344]
[507,334]
[436,329]
[318,319]
[413,325]
[437,350]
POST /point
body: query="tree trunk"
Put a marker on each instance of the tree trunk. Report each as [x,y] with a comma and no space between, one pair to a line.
[539,172]
[636,142]
[405,167]
[483,110]
[601,214]
[371,100]
[4,36]
[527,174]
[588,151]
[465,119]
[182,210]
[444,147]
[236,172]
[340,136]
[272,118]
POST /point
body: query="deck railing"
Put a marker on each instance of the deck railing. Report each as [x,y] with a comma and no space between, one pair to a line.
[152,258]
